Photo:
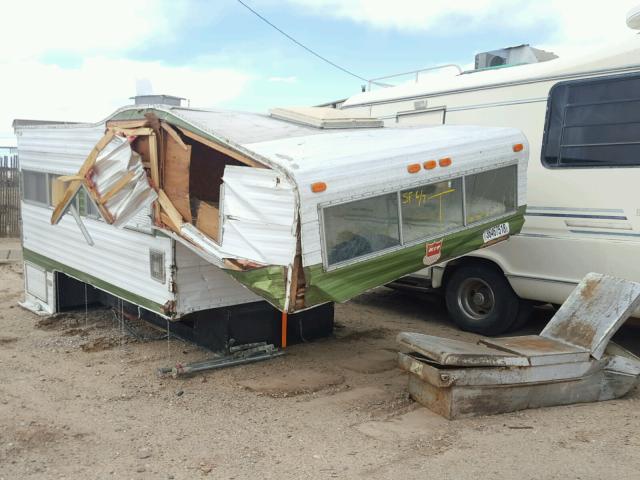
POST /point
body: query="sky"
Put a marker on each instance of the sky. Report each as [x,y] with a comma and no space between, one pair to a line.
[73,60]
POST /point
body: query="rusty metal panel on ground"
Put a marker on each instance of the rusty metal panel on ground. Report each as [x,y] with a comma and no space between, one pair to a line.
[572,361]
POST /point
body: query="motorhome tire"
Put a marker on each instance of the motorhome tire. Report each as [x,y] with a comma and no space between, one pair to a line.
[480,300]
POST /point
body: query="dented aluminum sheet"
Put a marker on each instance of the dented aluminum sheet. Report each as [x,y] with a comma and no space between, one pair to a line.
[459,379]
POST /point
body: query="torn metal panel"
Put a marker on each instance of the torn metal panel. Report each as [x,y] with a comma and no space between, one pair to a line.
[550,372]
[259,216]
[115,181]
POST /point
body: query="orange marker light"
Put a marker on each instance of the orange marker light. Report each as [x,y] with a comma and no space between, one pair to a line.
[318,187]
[413,168]
[429,164]
[444,162]
[518,147]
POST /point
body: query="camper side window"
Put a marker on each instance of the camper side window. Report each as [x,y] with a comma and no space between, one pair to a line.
[34,187]
[359,228]
[431,209]
[491,193]
[593,123]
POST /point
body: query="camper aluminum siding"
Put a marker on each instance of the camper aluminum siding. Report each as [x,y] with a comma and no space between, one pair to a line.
[119,262]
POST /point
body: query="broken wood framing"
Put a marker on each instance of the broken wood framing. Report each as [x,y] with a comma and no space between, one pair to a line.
[75,185]
[170,210]
[176,171]
[221,148]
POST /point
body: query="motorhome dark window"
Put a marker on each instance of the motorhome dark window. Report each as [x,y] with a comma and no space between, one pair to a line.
[34,187]
[491,193]
[431,209]
[362,227]
[593,123]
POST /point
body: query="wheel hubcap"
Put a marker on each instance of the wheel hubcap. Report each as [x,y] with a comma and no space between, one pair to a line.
[475,298]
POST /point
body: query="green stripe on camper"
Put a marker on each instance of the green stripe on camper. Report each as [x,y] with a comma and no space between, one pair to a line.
[346,282]
[268,282]
[52,265]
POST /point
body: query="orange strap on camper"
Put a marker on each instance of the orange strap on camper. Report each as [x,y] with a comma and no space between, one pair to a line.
[283,342]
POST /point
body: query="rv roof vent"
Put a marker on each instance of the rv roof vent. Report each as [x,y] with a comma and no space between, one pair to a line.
[158,100]
[633,18]
[324,117]
[518,55]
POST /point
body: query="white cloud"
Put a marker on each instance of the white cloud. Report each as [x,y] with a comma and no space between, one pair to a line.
[100,85]
[101,34]
[289,79]
[573,23]
[83,26]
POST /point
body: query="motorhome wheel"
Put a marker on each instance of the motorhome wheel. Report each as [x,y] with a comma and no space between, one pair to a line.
[480,300]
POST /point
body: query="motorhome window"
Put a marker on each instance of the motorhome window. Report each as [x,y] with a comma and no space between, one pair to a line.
[34,187]
[431,209]
[593,123]
[362,227]
[491,193]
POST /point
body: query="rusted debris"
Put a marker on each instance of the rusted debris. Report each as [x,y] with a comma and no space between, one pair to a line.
[571,361]
[238,355]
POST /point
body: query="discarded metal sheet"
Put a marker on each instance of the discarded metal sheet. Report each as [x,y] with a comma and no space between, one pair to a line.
[459,379]
[446,351]
[594,312]
[538,350]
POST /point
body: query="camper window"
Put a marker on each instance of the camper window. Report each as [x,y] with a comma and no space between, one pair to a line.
[360,228]
[431,209]
[34,187]
[86,206]
[593,123]
[490,194]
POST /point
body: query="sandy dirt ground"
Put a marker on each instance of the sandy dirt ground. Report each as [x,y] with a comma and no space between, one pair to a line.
[79,399]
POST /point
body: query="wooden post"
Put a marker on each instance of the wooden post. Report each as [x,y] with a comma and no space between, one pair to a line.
[283,342]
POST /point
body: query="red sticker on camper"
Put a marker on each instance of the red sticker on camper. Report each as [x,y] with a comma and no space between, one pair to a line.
[434,251]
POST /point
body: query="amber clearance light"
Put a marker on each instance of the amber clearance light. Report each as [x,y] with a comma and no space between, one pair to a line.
[413,168]
[444,162]
[518,147]
[318,187]
[429,164]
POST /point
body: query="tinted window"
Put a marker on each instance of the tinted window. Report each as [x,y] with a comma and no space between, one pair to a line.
[491,193]
[431,209]
[593,123]
[362,227]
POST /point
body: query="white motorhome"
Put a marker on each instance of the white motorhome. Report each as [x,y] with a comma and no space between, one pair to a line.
[582,119]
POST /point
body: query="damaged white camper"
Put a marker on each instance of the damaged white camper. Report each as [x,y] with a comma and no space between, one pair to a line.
[301,208]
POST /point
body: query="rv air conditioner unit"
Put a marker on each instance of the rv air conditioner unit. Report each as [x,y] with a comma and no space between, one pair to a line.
[512,56]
